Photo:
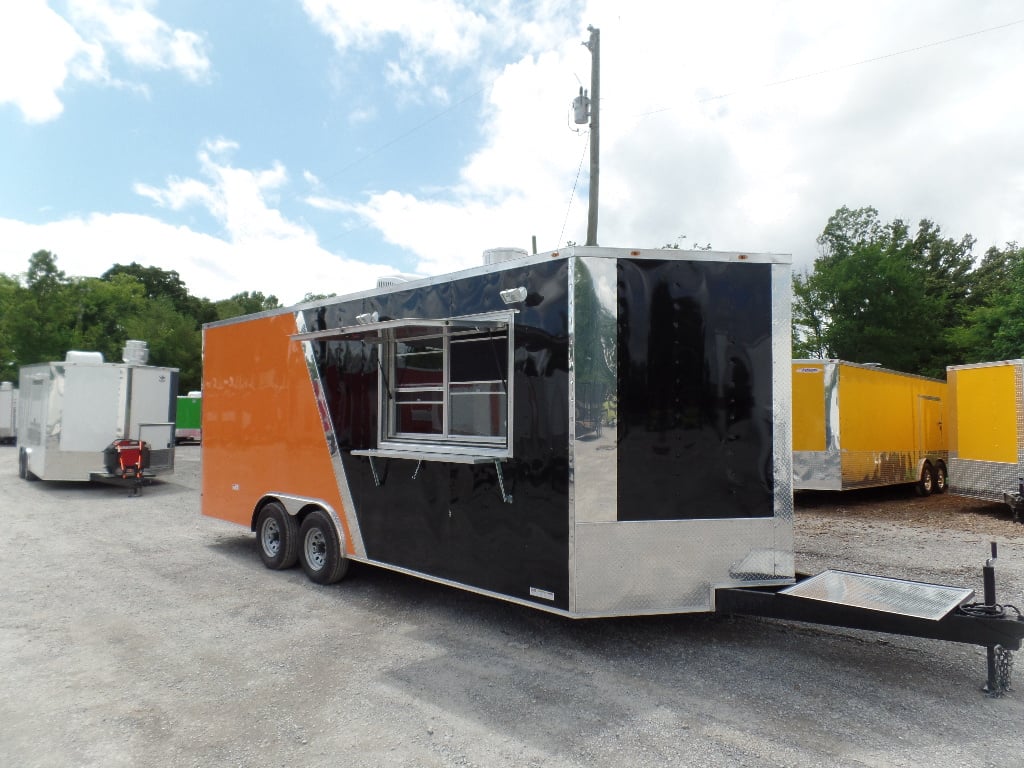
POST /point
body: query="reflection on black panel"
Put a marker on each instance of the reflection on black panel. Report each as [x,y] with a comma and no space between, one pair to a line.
[695,390]
[450,520]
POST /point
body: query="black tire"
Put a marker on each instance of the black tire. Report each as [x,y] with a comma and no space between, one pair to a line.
[23,470]
[277,536]
[941,479]
[320,551]
[926,485]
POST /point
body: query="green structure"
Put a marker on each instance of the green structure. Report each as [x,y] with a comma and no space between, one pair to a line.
[188,423]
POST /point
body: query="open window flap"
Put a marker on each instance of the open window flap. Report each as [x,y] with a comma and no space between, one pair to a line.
[397,330]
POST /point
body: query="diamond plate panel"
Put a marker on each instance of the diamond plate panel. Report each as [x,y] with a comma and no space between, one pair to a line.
[878,593]
[672,566]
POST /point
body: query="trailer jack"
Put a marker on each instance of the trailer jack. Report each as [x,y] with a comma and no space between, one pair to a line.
[893,606]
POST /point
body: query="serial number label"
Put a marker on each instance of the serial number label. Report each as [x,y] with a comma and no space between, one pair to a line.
[543,594]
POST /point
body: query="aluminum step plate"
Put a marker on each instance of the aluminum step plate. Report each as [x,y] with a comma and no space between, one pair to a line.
[879,593]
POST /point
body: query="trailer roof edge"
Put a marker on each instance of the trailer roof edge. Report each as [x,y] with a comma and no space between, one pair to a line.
[563,253]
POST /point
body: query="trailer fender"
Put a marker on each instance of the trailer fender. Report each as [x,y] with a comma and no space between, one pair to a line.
[299,507]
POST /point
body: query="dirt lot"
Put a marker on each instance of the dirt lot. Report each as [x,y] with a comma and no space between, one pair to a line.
[135,632]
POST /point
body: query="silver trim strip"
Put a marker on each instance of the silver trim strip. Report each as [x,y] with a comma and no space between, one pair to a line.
[358,546]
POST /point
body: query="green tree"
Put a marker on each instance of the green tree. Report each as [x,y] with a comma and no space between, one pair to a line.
[10,299]
[878,294]
[316,297]
[994,308]
[101,311]
[167,284]
[245,303]
[173,340]
[37,322]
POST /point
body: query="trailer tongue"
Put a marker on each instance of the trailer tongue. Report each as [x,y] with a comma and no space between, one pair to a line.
[894,606]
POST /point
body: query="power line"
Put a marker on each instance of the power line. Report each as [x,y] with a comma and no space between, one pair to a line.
[841,67]
[558,243]
[419,126]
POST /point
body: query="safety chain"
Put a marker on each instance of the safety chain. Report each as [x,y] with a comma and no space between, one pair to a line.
[1004,668]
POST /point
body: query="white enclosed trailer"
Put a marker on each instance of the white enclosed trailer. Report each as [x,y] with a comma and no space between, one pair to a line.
[74,412]
[8,412]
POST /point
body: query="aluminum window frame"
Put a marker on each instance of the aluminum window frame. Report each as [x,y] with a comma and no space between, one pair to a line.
[494,326]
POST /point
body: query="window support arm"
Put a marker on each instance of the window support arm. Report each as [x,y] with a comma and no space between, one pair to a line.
[380,477]
[506,497]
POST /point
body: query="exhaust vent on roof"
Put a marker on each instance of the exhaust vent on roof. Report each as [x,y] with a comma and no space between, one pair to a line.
[135,352]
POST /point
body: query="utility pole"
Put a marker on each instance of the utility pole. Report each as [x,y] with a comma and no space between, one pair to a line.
[594,45]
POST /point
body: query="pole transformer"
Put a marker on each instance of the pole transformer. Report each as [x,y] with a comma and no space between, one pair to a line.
[594,45]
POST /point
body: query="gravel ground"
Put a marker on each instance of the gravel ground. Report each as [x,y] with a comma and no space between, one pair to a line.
[135,632]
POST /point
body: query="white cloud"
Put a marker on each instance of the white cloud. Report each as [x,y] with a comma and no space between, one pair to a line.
[143,39]
[41,52]
[362,115]
[260,249]
[470,226]
[444,29]
[441,35]
[747,135]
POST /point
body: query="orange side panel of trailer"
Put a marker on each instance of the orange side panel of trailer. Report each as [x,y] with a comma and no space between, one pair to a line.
[262,430]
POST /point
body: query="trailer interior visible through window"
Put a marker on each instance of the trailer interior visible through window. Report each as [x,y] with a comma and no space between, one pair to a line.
[447,389]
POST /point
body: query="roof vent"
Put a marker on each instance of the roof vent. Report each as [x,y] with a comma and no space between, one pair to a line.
[83,358]
[495,255]
[396,279]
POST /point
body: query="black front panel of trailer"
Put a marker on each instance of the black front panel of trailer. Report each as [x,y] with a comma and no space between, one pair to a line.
[695,390]
[450,521]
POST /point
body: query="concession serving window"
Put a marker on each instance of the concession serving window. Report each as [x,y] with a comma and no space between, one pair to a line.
[445,391]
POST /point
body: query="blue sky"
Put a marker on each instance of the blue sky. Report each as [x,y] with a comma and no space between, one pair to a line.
[298,146]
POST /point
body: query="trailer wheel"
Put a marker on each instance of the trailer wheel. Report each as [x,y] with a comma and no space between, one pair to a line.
[23,471]
[320,551]
[941,479]
[277,534]
[926,484]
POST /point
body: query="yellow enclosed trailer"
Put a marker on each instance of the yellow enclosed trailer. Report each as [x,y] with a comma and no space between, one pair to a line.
[986,448]
[858,426]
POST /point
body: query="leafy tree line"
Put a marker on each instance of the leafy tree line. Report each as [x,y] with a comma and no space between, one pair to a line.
[914,301]
[48,313]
